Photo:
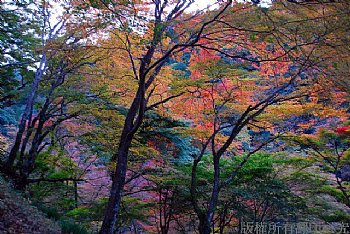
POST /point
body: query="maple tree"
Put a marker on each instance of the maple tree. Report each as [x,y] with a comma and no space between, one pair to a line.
[142,70]
[145,71]
[275,63]
[163,110]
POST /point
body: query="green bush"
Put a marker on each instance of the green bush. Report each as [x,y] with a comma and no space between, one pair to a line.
[51,213]
[337,216]
[69,227]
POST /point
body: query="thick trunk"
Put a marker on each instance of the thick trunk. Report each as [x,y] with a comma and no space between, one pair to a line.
[204,226]
[21,183]
[30,130]
[132,122]
[110,218]
[29,161]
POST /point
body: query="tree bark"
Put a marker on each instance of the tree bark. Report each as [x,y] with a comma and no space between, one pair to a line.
[205,225]
[28,161]
[138,108]
[27,113]
[118,180]
[110,218]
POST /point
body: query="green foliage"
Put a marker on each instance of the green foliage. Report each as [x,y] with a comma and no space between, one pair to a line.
[330,151]
[299,161]
[17,43]
[332,191]
[59,194]
[258,181]
[258,166]
[134,209]
[56,164]
[170,131]
[91,212]
[337,216]
[51,212]
[79,213]
[102,139]
[307,177]
[69,227]
[8,116]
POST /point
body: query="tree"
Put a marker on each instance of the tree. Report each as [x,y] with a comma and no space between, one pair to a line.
[62,54]
[259,193]
[279,60]
[17,42]
[236,64]
[331,150]
[154,55]
[26,118]
[164,35]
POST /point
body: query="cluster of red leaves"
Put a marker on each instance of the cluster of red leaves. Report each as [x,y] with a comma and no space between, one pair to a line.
[345,131]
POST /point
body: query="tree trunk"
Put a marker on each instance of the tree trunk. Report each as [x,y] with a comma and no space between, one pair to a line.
[206,221]
[25,141]
[75,194]
[110,218]
[29,161]
[204,225]
[21,129]
[130,127]
[27,113]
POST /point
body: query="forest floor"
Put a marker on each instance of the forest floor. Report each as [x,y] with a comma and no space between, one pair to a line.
[17,215]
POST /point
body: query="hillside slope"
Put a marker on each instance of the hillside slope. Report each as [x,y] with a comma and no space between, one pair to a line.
[18,216]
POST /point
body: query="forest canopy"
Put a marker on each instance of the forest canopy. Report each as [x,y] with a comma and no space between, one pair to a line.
[176,116]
